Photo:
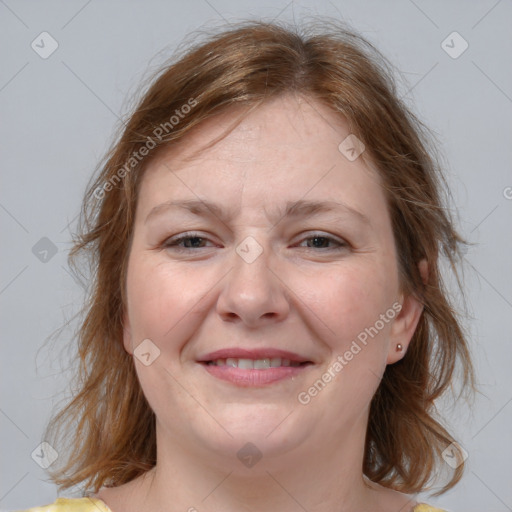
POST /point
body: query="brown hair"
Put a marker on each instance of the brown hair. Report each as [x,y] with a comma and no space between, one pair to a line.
[109,425]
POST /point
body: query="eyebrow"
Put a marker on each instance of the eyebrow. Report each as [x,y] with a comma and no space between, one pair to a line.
[299,208]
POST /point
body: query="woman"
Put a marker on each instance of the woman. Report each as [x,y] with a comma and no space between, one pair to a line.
[267,327]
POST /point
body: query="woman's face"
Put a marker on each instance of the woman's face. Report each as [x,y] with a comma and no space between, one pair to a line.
[272,249]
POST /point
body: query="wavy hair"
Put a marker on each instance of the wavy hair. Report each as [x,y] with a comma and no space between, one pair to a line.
[106,432]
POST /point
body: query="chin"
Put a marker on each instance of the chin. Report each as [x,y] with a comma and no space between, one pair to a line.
[266,430]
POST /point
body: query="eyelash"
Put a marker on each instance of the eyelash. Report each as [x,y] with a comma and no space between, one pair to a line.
[173,242]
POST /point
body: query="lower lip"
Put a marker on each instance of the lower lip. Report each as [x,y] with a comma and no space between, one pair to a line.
[254,378]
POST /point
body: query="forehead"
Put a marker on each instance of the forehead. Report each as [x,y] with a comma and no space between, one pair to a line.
[290,123]
[284,150]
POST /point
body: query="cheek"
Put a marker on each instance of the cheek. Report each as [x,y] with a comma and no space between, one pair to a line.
[350,303]
[164,302]
[162,307]
[348,300]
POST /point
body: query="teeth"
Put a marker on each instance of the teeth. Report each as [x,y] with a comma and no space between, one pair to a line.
[261,364]
[256,364]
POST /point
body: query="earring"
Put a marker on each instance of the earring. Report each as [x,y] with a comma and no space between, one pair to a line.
[399,348]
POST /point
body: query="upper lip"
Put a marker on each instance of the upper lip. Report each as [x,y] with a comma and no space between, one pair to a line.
[259,353]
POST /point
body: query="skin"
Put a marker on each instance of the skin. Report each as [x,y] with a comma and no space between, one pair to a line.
[296,295]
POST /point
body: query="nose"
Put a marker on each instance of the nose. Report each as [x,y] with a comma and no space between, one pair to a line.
[253,293]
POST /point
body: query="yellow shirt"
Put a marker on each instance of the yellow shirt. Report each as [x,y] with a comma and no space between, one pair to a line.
[96,505]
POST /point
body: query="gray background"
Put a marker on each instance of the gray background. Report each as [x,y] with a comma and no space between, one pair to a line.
[58,115]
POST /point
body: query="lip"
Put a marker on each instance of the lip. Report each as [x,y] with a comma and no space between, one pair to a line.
[259,353]
[254,378]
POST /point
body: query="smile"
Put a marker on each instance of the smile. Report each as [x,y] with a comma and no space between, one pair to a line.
[256,367]
[255,372]
[255,364]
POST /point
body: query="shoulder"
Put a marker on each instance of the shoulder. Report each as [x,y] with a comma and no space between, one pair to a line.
[423,507]
[71,505]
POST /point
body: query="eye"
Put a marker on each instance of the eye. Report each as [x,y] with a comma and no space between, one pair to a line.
[193,240]
[187,241]
[324,242]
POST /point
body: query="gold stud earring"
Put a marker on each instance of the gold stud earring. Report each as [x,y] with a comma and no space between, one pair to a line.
[399,348]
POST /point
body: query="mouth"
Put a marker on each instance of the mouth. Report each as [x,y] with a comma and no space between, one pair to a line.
[255,368]
[257,364]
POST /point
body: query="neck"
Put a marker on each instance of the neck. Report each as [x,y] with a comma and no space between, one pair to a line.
[319,477]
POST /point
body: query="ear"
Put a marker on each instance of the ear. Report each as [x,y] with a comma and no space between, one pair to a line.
[127,335]
[406,321]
